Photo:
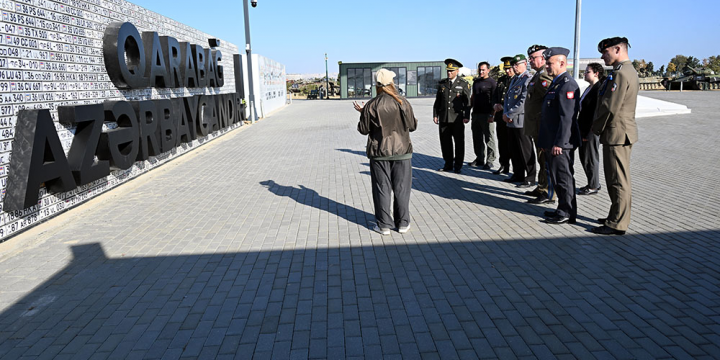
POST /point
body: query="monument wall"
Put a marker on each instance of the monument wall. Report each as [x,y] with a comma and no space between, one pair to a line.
[53,56]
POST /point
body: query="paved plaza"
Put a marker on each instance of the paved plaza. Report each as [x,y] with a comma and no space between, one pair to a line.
[259,245]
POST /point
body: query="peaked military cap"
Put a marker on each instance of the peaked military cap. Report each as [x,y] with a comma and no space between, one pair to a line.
[453,64]
[555,51]
[506,61]
[606,43]
[535,48]
[518,58]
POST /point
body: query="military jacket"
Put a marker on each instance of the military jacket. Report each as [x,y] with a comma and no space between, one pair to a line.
[560,107]
[537,88]
[514,106]
[503,83]
[617,99]
[452,102]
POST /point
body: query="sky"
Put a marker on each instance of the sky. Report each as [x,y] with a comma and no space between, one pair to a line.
[298,33]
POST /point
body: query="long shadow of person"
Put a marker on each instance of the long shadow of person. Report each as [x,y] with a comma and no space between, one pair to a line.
[451,186]
[310,197]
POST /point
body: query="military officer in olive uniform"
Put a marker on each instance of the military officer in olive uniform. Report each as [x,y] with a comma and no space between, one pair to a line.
[537,89]
[451,111]
[523,158]
[559,134]
[615,124]
[503,141]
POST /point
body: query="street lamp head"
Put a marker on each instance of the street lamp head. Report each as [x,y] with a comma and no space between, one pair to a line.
[253,3]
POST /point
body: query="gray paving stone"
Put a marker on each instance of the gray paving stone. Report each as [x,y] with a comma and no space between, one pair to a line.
[259,245]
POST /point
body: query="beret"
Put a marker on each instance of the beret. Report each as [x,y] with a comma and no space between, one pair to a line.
[506,61]
[606,43]
[535,48]
[518,58]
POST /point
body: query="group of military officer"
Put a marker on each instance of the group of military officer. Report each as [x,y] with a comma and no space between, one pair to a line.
[536,118]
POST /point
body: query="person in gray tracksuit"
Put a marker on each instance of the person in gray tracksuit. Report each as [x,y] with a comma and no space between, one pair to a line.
[523,156]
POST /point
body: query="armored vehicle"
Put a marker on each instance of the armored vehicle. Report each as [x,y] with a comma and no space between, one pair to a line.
[693,79]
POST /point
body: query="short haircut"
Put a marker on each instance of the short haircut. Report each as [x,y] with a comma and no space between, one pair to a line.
[484,63]
[598,69]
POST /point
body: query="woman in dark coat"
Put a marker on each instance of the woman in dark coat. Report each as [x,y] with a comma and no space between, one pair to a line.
[589,150]
[387,120]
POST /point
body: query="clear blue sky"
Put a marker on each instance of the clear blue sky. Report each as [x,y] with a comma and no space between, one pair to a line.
[297,33]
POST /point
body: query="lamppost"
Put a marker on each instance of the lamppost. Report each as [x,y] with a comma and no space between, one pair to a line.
[248,51]
[327,80]
[576,55]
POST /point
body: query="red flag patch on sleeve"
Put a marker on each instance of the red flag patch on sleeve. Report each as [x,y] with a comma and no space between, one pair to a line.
[544,83]
[570,94]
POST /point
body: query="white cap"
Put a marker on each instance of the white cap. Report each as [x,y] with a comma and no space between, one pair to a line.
[384,77]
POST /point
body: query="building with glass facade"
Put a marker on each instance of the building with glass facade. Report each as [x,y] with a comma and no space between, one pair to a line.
[413,79]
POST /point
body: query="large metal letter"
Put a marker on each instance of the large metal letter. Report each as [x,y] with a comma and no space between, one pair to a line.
[199,57]
[122,41]
[210,68]
[222,111]
[173,61]
[147,126]
[219,74]
[191,111]
[88,121]
[183,127]
[166,130]
[120,145]
[188,65]
[38,157]
[155,66]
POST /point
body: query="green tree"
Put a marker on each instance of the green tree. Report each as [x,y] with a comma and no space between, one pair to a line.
[692,62]
[662,70]
[672,67]
[636,65]
[714,63]
[679,61]
[650,68]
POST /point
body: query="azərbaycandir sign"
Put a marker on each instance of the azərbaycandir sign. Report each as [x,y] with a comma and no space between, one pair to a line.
[144,128]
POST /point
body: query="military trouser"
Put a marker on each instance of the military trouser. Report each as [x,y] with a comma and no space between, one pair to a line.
[483,134]
[562,176]
[616,161]
[544,184]
[449,132]
[523,155]
[503,142]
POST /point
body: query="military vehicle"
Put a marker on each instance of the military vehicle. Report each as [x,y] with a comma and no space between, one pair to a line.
[651,83]
[693,79]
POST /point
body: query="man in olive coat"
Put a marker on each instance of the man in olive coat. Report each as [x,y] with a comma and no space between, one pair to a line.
[537,89]
[503,139]
[451,111]
[615,124]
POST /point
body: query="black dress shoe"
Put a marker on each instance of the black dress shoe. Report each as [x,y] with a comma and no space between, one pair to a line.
[588,191]
[524,184]
[606,230]
[500,170]
[488,166]
[457,171]
[444,169]
[475,163]
[550,213]
[541,200]
[534,192]
[602,220]
[513,179]
[557,219]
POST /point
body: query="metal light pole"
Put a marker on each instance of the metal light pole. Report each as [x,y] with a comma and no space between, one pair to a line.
[327,80]
[248,51]
[576,54]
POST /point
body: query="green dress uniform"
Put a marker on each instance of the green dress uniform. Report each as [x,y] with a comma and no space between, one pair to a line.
[615,123]
[503,142]
[537,89]
[452,105]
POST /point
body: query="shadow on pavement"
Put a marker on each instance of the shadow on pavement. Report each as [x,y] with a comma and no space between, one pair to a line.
[310,197]
[636,296]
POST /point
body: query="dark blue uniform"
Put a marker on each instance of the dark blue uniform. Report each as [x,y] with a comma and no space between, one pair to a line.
[558,127]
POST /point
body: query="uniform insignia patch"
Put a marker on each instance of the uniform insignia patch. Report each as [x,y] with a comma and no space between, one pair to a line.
[570,95]
[619,66]
[515,97]
[544,83]
[532,83]
[614,87]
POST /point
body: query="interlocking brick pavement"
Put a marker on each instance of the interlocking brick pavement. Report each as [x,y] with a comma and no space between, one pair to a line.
[258,245]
